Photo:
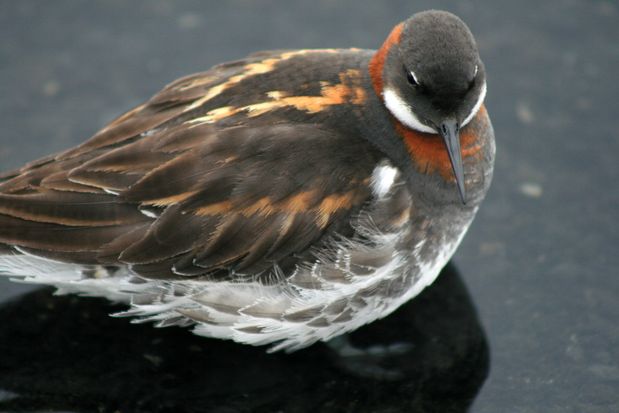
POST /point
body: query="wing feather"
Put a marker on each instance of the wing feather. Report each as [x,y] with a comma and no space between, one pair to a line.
[171,197]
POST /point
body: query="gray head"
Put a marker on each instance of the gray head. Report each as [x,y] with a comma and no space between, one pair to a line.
[432,79]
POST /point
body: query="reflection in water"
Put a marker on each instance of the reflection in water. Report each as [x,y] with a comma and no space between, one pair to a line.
[64,353]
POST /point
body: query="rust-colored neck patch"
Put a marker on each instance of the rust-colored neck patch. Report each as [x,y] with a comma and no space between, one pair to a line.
[428,151]
[378,60]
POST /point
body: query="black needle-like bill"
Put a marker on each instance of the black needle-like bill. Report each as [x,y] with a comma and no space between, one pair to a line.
[450,132]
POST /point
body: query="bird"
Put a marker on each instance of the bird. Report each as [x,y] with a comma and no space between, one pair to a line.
[282,199]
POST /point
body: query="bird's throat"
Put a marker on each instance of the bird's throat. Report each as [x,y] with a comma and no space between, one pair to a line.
[428,153]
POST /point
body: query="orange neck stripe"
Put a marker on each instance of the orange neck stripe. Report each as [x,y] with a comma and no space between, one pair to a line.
[429,153]
[378,60]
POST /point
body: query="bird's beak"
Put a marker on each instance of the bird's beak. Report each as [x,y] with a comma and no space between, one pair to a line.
[449,130]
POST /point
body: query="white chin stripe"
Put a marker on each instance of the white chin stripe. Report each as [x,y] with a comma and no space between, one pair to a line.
[480,100]
[403,112]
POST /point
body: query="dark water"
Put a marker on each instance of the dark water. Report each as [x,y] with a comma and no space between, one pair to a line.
[540,262]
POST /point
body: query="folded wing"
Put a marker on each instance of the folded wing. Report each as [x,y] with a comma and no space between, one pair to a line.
[189,201]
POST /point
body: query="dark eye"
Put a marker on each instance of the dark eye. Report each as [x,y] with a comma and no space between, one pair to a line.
[472,82]
[411,78]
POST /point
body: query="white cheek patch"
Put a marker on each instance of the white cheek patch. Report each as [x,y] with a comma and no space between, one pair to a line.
[403,112]
[480,100]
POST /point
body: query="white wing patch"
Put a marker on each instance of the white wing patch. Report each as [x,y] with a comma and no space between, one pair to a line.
[383,178]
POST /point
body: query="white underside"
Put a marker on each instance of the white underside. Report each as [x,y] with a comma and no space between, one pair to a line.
[230,308]
[322,299]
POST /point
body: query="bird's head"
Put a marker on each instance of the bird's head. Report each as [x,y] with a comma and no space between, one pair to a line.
[431,79]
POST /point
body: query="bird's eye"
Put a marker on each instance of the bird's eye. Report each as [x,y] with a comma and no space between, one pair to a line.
[472,82]
[410,76]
